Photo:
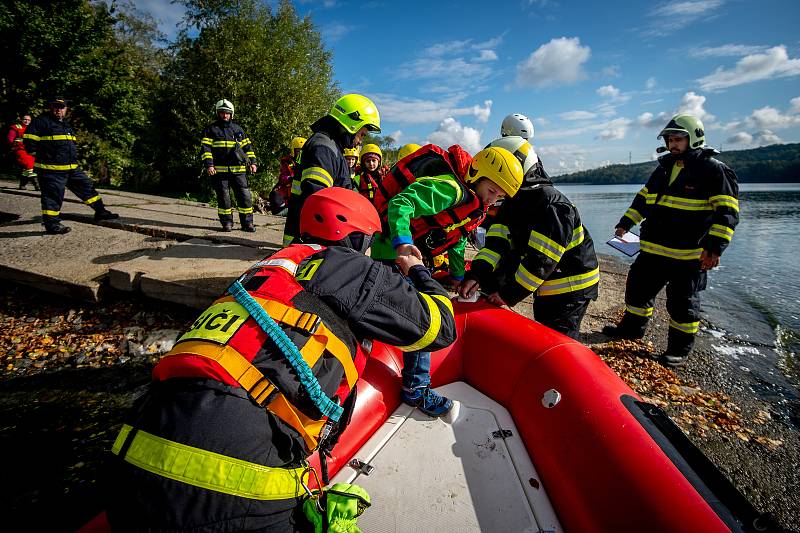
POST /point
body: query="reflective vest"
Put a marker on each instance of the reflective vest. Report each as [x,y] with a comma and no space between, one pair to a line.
[223,341]
[435,233]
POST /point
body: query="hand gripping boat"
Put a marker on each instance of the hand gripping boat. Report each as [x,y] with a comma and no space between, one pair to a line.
[543,437]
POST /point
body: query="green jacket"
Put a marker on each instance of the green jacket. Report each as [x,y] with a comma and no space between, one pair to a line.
[425,197]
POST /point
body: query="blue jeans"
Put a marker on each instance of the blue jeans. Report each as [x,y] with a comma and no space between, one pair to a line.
[416,365]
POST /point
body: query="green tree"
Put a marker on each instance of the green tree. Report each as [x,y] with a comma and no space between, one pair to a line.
[270,64]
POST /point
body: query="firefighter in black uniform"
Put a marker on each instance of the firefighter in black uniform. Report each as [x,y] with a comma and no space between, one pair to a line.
[537,245]
[51,139]
[688,210]
[219,441]
[227,154]
[322,163]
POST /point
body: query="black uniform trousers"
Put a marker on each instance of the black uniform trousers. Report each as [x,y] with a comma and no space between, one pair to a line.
[53,184]
[223,182]
[684,280]
[562,313]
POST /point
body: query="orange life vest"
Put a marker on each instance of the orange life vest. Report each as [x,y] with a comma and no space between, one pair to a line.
[436,233]
[223,341]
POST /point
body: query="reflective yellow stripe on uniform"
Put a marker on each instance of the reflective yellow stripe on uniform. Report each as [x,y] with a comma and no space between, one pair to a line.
[251,155]
[577,238]
[221,211]
[723,200]
[686,204]
[318,174]
[639,311]
[68,137]
[92,200]
[433,328]
[673,253]
[643,193]
[50,213]
[287,239]
[526,279]
[245,141]
[223,144]
[296,190]
[723,232]
[206,155]
[207,140]
[45,166]
[686,327]
[489,256]
[546,245]
[552,287]
[498,230]
[234,170]
[208,470]
[244,210]
[634,215]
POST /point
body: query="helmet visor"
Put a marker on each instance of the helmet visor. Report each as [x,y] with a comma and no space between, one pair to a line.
[670,132]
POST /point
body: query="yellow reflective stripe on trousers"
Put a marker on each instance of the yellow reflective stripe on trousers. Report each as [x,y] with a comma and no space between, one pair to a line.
[433,327]
[50,213]
[723,232]
[546,245]
[318,174]
[686,327]
[673,253]
[228,211]
[526,279]
[45,166]
[209,470]
[498,230]
[577,238]
[639,311]
[686,204]
[92,200]
[489,256]
[235,170]
[245,210]
[634,215]
[552,287]
[723,200]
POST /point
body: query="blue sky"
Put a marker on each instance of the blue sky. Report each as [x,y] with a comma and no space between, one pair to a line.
[598,79]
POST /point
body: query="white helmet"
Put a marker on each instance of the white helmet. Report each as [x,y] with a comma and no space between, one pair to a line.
[518,125]
[224,105]
[522,150]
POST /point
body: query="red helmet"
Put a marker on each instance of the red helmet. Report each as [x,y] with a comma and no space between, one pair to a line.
[334,213]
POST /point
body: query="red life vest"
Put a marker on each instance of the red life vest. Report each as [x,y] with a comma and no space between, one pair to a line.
[367,185]
[436,233]
[223,341]
[15,139]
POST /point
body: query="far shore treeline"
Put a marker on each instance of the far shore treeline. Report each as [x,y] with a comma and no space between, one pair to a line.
[778,163]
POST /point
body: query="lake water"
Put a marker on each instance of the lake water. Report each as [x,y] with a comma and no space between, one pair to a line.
[753,298]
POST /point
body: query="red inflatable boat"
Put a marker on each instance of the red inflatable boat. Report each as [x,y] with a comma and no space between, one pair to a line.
[543,437]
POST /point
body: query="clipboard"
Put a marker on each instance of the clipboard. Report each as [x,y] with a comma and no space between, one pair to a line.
[628,244]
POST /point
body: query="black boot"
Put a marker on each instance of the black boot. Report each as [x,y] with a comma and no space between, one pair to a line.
[621,331]
[104,214]
[58,230]
[679,345]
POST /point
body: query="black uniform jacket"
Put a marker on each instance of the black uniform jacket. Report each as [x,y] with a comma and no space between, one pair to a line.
[357,298]
[227,147]
[537,244]
[698,211]
[52,141]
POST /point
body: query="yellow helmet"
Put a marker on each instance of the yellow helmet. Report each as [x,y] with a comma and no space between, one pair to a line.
[354,111]
[351,152]
[407,150]
[297,143]
[497,165]
[372,149]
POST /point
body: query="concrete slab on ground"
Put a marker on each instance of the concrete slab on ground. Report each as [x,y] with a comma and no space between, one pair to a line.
[75,264]
[160,217]
[191,273]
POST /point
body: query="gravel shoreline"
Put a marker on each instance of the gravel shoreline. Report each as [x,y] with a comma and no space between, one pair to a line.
[72,369]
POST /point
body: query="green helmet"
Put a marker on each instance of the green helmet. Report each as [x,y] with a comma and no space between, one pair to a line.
[224,105]
[688,125]
[354,111]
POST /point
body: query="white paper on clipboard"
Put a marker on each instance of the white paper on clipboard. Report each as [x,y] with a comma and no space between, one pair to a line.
[628,244]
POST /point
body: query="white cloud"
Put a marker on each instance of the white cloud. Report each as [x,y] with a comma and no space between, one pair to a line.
[539,121]
[765,137]
[614,130]
[773,63]
[692,104]
[397,135]
[795,104]
[650,121]
[166,14]
[563,158]
[650,84]
[336,30]
[611,71]
[559,62]
[612,93]
[689,8]
[419,111]
[449,47]
[450,131]
[607,130]
[578,115]
[487,55]
[726,50]
[740,138]
[674,16]
[770,118]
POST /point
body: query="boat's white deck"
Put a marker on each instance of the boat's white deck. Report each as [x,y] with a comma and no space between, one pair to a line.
[451,475]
